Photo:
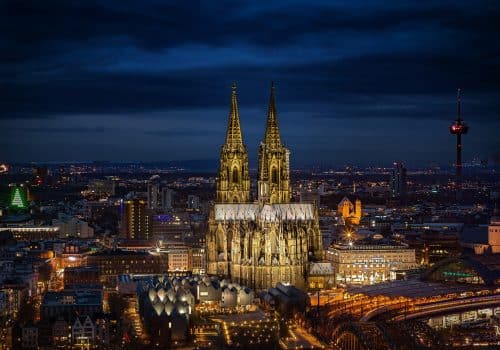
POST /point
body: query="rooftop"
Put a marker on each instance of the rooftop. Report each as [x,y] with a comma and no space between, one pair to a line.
[81,268]
[87,297]
[413,289]
[119,252]
[370,243]
[274,212]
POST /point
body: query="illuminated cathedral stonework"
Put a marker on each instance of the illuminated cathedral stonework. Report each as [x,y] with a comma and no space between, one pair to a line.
[260,243]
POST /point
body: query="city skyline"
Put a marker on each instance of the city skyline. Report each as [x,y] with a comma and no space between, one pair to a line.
[263,175]
[355,83]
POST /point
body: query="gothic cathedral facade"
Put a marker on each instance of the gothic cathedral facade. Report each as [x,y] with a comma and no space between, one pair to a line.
[267,240]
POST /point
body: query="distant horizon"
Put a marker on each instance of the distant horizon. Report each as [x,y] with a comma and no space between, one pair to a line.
[253,165]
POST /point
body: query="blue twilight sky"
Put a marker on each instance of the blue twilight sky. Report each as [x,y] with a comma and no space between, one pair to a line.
[357,82]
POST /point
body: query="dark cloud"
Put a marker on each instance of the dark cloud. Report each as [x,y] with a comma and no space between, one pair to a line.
[65,130]
[333,60]
[181,133]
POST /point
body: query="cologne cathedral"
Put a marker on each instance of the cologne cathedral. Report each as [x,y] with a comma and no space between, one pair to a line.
[260,242]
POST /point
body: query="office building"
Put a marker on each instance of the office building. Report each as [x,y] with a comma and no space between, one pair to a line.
[167,195]
[153,196]
[112,263]
[87,275]
[135,221]
[398,180]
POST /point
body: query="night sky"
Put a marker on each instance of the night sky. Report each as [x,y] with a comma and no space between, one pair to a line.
[356,82]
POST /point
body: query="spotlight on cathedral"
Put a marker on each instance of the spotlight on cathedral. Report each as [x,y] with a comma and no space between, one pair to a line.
[261,241]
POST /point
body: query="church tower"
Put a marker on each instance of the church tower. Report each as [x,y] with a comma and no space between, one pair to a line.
[259,244]
[233,182]
[274,161]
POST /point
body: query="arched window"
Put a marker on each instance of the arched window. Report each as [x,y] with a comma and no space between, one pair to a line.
[274,176]
[235,175]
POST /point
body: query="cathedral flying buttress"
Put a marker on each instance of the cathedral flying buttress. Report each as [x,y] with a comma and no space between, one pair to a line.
[269,240]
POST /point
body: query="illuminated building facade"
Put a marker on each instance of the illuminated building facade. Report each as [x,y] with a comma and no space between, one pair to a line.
[199,260]
[135,221]
[369,261]
[112,263]
[72,256]
[179,258]
[349,212]
[233,181]
[267,241]
[32,233]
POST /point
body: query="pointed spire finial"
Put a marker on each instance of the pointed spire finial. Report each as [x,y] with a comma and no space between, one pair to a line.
[234,139]
[459,103]
[272,137]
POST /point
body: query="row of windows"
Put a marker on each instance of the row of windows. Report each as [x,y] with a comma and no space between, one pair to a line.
[373,265]
[115,272]
[113,262]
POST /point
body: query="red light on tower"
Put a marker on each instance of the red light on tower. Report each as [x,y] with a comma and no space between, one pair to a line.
[459,128]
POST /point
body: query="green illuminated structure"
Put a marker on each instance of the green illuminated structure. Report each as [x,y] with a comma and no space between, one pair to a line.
[18,198]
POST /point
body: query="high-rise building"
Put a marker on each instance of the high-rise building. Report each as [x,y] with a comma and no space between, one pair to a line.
[167,198]
[135,221]
[154,192]
[267,241]
[398,180]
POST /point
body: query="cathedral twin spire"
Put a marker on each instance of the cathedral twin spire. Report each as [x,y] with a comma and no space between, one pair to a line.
[272,136]
[233,183]
[233,134]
